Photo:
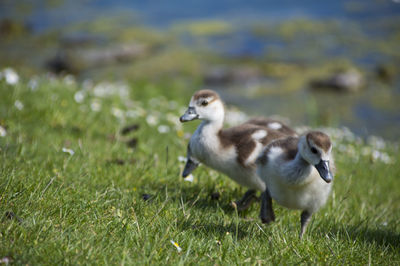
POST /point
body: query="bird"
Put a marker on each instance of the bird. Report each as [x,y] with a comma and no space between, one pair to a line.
[298,172]
[231,151]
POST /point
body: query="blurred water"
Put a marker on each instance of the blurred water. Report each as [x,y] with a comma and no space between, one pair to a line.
[44,14]
[365,114]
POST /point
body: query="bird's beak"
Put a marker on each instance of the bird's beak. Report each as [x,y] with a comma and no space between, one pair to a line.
[189,115]
[324,171]
[189,167]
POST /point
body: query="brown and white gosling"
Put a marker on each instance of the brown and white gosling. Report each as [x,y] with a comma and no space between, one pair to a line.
[298,172]
[231,151]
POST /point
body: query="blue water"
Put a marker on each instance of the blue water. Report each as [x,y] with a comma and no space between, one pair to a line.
[163,13]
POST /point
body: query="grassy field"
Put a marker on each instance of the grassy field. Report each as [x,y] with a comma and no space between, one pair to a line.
[75,190]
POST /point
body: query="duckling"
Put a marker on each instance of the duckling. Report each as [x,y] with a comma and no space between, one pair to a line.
[231,151]
[298,174]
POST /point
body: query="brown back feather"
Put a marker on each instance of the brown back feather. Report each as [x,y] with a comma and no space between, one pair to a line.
[264,122]
[241,138]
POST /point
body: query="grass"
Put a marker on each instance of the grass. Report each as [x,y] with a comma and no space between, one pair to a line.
[88,208]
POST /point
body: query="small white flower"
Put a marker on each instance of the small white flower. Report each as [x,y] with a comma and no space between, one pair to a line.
[136,111]
[66,150]
[376,142]
[95,106]
[384,223]
[103,89]
[176,245]
[106,89]
[122,90]
[79,96]
[152,120]
[182,159]
[387,159]
[163,129]
[69,80]
[19,105]
[375,155]
[11,76]
[189,178]
[117,112]
[3,132]
[381,156]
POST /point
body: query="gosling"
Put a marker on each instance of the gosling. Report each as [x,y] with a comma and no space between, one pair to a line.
[232,151]
[298,174]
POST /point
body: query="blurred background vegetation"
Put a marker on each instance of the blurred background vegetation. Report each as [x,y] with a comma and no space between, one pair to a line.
[330,63]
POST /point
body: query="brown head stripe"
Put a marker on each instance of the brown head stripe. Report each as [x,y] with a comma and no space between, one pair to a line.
[320,139]
[205,94]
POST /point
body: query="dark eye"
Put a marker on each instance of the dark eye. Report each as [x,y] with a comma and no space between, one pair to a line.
[204,103]
[314,150]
